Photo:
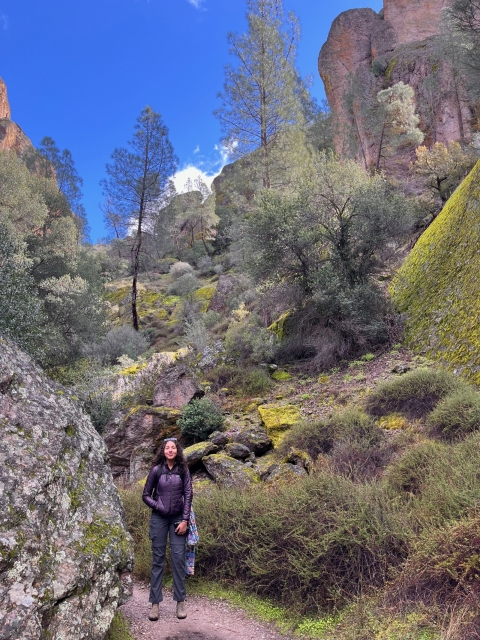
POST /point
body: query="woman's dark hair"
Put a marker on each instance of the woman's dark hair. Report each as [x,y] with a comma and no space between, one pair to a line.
[180,458]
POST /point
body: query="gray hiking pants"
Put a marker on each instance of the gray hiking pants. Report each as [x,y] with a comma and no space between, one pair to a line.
[160,527]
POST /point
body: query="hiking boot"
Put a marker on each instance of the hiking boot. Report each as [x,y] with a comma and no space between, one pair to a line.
[181,613]
[153,615]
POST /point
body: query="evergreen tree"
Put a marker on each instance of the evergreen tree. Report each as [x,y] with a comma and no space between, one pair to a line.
[263,96]
[138,180]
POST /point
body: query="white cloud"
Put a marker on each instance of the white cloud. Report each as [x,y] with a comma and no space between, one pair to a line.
[205,168]
[3,21]
[197,149]
[196,3]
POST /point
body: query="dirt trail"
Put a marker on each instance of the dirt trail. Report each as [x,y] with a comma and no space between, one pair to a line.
[206,620]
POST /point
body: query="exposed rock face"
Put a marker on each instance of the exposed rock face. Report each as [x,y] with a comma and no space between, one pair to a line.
[376,51]
[4,105]
[175,389]
[65,555]
[11,136]
[133,438]
[229,472]
[437,286]
[413,20]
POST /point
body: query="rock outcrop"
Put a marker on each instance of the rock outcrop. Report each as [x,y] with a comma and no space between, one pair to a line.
[175,388]
[413,20]
[65,555]
[134,436]
[11,136]
[437,286]
[370,52]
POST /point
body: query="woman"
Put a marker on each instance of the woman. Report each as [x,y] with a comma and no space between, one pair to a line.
[168,492]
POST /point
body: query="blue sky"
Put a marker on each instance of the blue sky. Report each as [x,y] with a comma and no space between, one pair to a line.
[81,71]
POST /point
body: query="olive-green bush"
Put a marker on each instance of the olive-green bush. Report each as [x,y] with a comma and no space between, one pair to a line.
[456,416]
[200,418]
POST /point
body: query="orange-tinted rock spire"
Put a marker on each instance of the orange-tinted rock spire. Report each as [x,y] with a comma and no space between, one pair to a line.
[4,106]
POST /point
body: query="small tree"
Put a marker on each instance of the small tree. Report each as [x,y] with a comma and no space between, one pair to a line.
[263,96]
[443,167]
[137,180]
[396,121]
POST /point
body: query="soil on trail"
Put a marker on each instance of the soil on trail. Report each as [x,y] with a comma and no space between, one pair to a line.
[206,620]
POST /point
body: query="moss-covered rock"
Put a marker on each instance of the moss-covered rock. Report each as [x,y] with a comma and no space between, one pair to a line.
[229,472]
[195,453]
[299,458]
[277,419]
[237,450]
[285,473]
[255,438]
[437,287]
[204,296]
[281,376]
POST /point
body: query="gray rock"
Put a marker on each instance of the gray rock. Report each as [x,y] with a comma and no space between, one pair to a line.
[218,438]
[65,555]
[175,388]
[237,450]
[229,472]
[195,453]
[255,438]
[285,473]
[134,436]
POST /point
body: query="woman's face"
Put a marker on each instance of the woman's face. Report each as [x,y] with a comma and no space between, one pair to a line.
[170,450]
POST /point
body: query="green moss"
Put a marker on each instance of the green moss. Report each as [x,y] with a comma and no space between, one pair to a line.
[390,69]
[204,295]
[277,419]
[135,368]
[116,296]
[70,430]
[100,535]
[278,326]
[437,287]
[281,376]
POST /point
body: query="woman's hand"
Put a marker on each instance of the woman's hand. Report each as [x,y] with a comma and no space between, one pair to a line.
[181,530]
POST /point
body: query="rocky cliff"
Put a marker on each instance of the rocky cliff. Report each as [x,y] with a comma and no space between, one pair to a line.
[11,136]
[65,555]
[370,52]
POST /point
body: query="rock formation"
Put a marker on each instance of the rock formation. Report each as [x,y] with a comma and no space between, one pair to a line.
[65,555]
[11,136]
[437,286]
[374,51]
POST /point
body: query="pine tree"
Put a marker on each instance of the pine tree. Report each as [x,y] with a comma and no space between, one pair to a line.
[137,180]
[263,95]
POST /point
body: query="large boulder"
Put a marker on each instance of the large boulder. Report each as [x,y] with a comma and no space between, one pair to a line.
[65,555]
[228,471]
[255,438]
[134,436]
[175,388]
[237,450]
[195,453]
[437,286]
[285,473]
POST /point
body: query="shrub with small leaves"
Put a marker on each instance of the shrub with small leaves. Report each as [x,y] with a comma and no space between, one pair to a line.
[179,269]
[200,418]
[184,285]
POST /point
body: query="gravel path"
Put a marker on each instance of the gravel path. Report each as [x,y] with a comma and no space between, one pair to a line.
[206,620]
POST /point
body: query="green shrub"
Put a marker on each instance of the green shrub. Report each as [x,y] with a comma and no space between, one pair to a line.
[408,475]
[244,381]
[179,269]
[414,394]
[247,342]
[455,416]
[184,285]
[200,418]
[355,446]
[119,341]
[311,546]
[119,629]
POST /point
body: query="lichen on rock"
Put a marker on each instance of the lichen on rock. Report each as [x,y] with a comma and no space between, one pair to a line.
[437,286]
[277,419]
[228,471]
[65,555]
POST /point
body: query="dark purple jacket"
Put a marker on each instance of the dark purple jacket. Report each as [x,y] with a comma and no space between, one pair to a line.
[169,491]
